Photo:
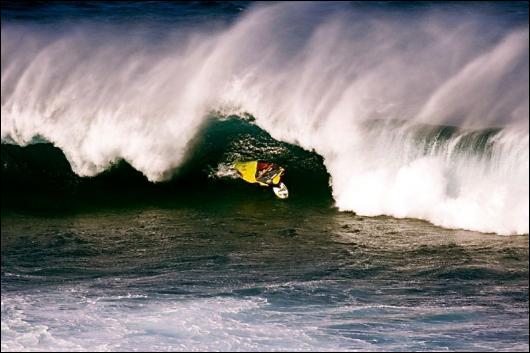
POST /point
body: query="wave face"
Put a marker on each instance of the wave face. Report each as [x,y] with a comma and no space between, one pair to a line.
[419,114]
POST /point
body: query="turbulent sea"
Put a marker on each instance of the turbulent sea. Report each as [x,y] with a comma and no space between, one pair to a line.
[403,128]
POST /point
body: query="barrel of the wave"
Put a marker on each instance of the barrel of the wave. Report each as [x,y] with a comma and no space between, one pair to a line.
[265,174]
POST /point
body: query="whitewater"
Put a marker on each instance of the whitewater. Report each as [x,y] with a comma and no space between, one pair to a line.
[369,92]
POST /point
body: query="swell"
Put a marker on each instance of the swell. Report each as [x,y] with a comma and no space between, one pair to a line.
[332,80]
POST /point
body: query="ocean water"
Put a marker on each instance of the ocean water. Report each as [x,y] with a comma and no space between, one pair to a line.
[403,128]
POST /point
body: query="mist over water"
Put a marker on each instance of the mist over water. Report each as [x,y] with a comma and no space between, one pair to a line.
[422,115]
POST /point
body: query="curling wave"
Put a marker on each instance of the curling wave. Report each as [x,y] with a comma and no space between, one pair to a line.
[425,119]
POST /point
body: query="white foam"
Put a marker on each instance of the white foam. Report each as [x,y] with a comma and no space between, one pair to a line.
[84,319]
[73,322]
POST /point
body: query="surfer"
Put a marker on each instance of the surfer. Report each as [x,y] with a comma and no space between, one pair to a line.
[265,174]
[269,173]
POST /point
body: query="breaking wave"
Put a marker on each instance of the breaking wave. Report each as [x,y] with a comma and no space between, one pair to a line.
[425,119]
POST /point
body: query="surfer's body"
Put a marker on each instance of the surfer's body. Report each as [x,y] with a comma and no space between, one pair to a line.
[264,174]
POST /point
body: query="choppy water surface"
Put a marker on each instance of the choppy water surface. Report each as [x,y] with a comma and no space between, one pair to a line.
[248,277]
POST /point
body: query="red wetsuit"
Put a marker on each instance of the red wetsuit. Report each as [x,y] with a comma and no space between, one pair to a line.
[265,172]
